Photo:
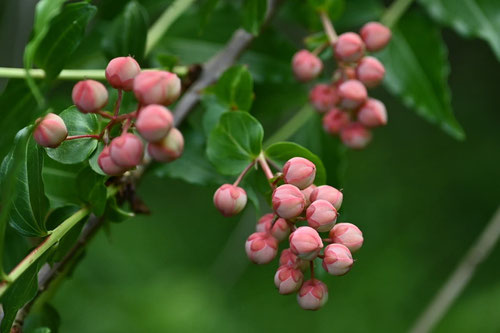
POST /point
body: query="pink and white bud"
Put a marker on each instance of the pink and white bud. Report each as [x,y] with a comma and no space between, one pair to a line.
[355,136]
[372,113]
[307,193]
[370,71]
[154,122]
[375,35]
[169,148]
[157,87]
[352,94]
[312,295]
[126,150]
[261,247]
[306,66]
[349,47]
[50,131]
[338,259]
[265,223]
[287,257]
[288,201]
[299,171]
[305,243]
[89,96]
[335,120]
[321,215]
[347,234]
[328,193]
[288,279]
[280,229]
[121,72]
[230,199]
[107,165]
[323,97]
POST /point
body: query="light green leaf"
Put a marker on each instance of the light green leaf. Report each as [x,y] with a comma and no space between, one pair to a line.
[254,13]
[235,88]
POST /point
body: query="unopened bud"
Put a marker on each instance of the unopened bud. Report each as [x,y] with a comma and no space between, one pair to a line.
[157,87]
[300,172]
[335,120]
[230,199]
[126,150]
[370,71]
[323,97]
[352,94]
[121,72]
[89,96]
[355,136]
[288,201]
[287,257]
[338,259]
[50,131]
[347,234]
[328,193]
[372,113]
[280,229]
[306,66]
[321,215]
[169,148]
[288,279]
[307,193]
[349,47]
[261,247]
[312,295]
[154,122]
[375,35]
[108,165]
[265,223]
[306,243]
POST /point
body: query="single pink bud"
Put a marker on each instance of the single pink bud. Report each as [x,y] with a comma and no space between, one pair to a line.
[230,199]
[280,229]
[338,259]
[312,295]
[370,71]
[126,150]
[107,165]
[355,136]
[169,148]
[287,257]
[328,193]
[352,94]
[154,122]
[372,113]
[307,193]
[323,97]
[375,35]
[288,279]
[349,47]
[50,131]
[157,87]
[288,201]
[306,66]
[261,247]
[265,223]
[305,243]
[121,72]
[335,120]
[299,171]
[321,215]
[347,234]
[89,96]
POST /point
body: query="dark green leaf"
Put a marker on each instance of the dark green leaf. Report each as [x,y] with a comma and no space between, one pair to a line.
[93,159]
[56,217]
[61,183]
[92,190]
[254,13]
[42,319]
[333,7]
[167,61]
[213,111]
[206,10]
[235,88]
[116,214]
[235,142]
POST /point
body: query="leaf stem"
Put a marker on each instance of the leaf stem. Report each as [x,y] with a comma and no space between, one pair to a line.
[265,167]
[83,137]
[328,26]
[243,173]
[394,12]
[291,126]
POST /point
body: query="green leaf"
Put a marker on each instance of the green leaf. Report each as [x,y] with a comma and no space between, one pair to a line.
[76,151]
[212,113]
[417,71]
[93,159]
[127,35]
[471,18]
[281,152]
[29,204]
[64,34]
[42,319]
[92,190]
[206,9]
[235,142]
[332,7]
[254,13]
[235,88]
[56,217]
[61,182]
[116,214]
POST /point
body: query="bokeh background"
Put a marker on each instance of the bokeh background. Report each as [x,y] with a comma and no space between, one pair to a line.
[420,197]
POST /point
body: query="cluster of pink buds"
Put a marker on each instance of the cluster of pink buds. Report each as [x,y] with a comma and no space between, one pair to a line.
[151,121]
[348,110]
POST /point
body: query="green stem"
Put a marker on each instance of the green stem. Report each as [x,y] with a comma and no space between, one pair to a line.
[394,12]
[292,126]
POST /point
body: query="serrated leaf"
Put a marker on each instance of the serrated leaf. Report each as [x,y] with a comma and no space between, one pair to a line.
[235,88]
[254,13]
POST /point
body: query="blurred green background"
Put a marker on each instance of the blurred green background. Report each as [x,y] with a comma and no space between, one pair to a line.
[420,197]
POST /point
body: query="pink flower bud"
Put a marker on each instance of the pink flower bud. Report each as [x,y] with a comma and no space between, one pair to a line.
[280,229]
[305,243]
[349,47]
[323,97]
[169,148]
[126,150]
[307,193]
[265,223]
[288,201]
[300,172]
[370,71]
[107,165]
[287,257]
[154,122]
[288,279]
[355,136]
[121,72]
[306,66]
[321,215]
[89,96]
[347,234]
[50,131]
[375,35]
[335,120]
[230,199]
[372,113]
[312,295]
[352,94]
[328,193]
[261,247]
[157,87]
[338,259]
